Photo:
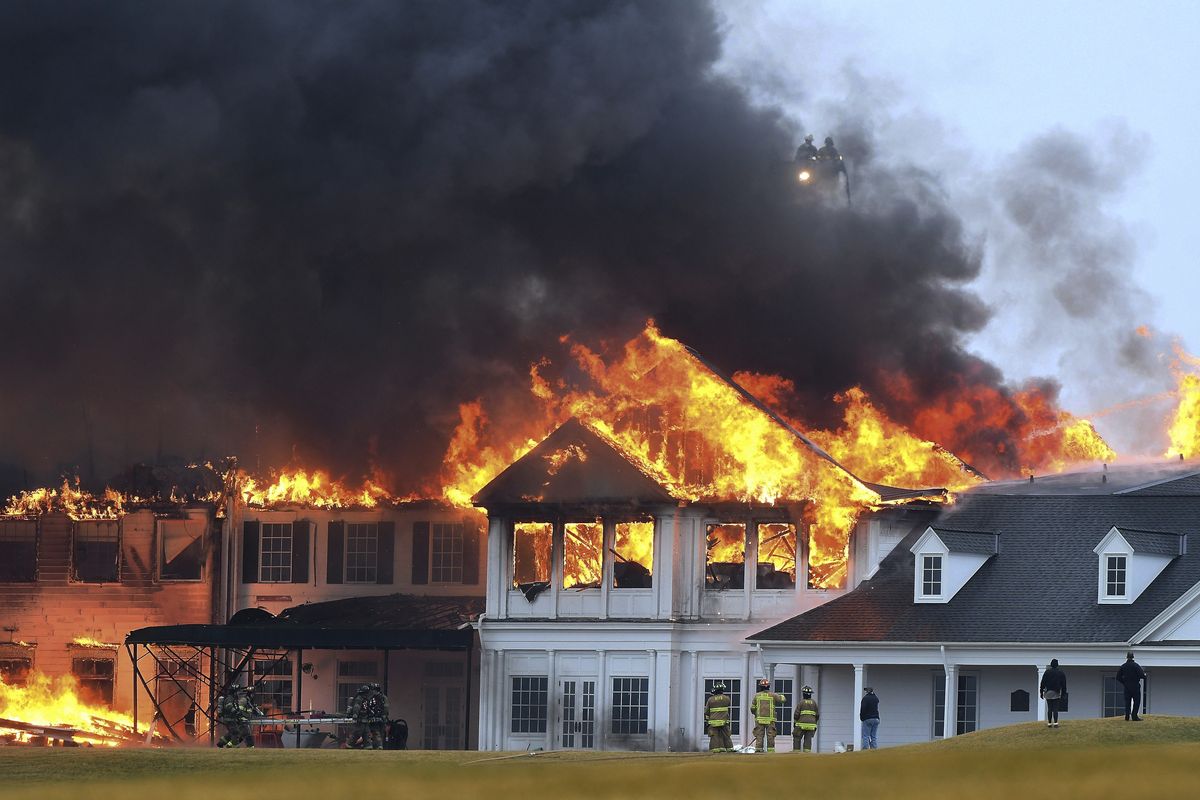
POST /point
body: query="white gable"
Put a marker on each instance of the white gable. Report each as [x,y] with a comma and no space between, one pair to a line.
[1141,568]
[957,567]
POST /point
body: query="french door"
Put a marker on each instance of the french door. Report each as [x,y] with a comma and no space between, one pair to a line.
[577,714]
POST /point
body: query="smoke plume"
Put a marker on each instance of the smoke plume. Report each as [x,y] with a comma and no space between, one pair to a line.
[307,231]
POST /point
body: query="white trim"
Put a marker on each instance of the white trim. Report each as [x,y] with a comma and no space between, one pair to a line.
[1166,615]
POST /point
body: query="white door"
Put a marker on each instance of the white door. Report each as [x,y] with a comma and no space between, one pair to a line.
[442,717]
[577,714]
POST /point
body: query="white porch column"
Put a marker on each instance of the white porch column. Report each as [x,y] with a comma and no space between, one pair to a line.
[502,700]
[1041,704]
[855,702]
[950,703]
[552,699]
[603,698]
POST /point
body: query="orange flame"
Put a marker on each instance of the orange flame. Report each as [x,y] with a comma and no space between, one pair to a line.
[71,500]
[1183,428]
[58,702]
[311,489]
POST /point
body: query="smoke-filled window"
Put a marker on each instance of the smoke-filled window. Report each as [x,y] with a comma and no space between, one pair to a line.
[630,706]
[529,704]
[776,556]
[446,554]
[275,552]
[273,684]
[725,566]
[532,546]
[181,549]
[95,551]
[583,554]
[14,671]
[633,555]
[18,550]
[95,675]
[362,552]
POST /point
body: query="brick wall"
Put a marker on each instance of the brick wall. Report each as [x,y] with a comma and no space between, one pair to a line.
[52,612]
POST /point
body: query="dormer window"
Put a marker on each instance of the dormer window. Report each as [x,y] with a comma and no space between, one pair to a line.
[931,575]
[1130,560]
[945,560]
[1114,581]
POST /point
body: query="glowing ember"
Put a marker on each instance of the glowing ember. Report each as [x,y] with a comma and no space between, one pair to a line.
[69,499]
[57,702]
[311,489]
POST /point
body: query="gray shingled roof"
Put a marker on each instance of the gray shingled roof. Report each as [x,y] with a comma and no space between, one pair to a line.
[1040,588]
[1152,543]
[978,542]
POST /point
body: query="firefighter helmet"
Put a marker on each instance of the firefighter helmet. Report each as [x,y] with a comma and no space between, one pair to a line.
[829,141]
[363,689]
[719,687]
[764,684]
[375,687]
[809,138]
[806,691]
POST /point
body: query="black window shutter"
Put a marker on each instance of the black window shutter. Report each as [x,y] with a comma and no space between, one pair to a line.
[250,551]
[386,554]
[470,554]
[337,552]
[300,540]
[420,553]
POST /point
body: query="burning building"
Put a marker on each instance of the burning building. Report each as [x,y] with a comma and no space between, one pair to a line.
[615,600]
[77,574]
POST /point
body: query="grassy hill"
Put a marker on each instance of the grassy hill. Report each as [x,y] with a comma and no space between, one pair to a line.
[1087,758]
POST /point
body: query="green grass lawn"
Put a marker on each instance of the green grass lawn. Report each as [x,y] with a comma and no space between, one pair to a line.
[1158,758]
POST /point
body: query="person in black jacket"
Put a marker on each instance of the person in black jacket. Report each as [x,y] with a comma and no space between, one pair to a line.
[868,713]
[1130,676]
[1054,686]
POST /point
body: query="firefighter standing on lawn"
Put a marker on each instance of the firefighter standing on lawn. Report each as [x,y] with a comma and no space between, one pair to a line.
[375,712]
[763,706]
[358,731]
[716,721]
[804,724]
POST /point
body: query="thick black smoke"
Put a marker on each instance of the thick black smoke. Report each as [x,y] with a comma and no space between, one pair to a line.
[309,229]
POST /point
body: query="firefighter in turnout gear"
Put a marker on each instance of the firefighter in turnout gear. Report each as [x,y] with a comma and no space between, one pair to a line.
[716,721]
[375,714]
[804,722]
[763,706]
[359,736]
[234,710]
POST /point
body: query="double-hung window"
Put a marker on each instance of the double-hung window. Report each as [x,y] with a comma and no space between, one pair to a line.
[446,553]
[931,575]
[1115,571]
[362,552]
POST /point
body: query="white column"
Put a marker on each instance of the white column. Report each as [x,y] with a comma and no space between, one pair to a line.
[502,701]
[950,703]
[485,700]
[552,699]
[603,700]
[558,532]
[855,702]
[750,566]
[689,690]
[606,569]
[748,691]
[652,711]
[1041,704]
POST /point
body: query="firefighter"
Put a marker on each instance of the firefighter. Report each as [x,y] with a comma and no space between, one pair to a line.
[359,736]
[234,710]
[375,712]
[763,705]
[829,152]
[804,725]
[806,151]
[716,720]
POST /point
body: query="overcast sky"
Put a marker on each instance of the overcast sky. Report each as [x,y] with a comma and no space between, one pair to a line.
[962,86]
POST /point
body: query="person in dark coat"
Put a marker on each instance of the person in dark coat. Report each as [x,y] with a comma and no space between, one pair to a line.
[1130,676]
[1054,686]
[868,713]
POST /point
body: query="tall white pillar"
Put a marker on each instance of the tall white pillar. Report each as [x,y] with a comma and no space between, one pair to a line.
[1041,704]
[855,701]
[950,703]
[553,700]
